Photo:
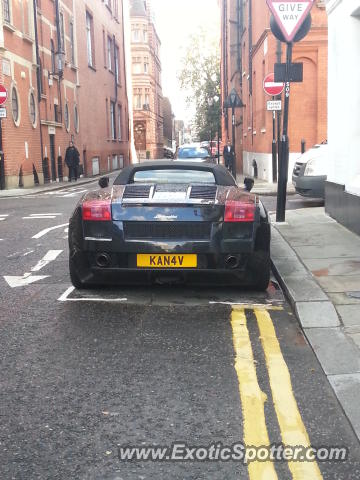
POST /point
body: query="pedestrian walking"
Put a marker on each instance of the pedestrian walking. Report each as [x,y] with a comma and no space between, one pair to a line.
[72,160]
[229,157]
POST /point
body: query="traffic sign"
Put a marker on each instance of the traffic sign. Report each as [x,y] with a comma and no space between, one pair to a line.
[271,87]
[274,105]
[3,112]
[3,94]
[290,15]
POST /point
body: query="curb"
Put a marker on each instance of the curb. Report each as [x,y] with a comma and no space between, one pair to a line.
[337,354]
[52,189]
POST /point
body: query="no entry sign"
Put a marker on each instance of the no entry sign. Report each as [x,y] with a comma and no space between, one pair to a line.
[3,94]
[290,15]
[271,87]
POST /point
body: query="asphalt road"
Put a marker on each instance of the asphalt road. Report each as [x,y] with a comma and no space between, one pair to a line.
[83,373]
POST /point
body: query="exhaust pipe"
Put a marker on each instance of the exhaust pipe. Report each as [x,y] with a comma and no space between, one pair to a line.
[102,260]
[232,261]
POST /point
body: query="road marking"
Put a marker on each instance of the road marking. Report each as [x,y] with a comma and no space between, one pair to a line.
[3,217]
[292,428]
[65,298]
[26,279]
[40,216]
[49,257]
[47,230]
[252,397]
[74,193]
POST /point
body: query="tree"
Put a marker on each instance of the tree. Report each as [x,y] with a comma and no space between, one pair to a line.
[200,78]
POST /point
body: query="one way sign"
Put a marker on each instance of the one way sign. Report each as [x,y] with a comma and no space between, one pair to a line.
[290,15]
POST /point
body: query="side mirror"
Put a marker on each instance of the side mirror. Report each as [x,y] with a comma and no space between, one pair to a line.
[249,184]
[104,182]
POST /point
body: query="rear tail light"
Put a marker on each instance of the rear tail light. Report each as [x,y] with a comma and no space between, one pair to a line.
[236,211]
[97,210]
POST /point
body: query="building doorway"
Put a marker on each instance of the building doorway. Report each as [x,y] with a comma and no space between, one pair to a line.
[52,158]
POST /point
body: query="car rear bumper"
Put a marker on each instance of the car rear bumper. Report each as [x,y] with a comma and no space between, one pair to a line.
[310,186]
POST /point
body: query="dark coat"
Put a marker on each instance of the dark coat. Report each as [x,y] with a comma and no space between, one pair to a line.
[72,157]
[229,154]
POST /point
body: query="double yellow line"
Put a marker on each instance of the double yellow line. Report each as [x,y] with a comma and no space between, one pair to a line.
[292,428]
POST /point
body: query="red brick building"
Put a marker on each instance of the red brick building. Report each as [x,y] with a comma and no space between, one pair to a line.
[249,51]
[53,59]
[146,82]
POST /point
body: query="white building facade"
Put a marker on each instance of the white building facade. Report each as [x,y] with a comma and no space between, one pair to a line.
[343,187]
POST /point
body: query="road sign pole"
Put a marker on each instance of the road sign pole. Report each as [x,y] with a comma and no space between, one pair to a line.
[284,151]
[2,161]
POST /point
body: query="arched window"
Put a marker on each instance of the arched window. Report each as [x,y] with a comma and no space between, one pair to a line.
[32,109]
[76,119]
[67,118]
[15,105]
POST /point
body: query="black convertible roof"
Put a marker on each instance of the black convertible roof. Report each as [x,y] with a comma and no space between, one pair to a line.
[221,174]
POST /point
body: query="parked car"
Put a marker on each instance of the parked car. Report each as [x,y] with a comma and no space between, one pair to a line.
[310,172]
[194,153]
[170,222]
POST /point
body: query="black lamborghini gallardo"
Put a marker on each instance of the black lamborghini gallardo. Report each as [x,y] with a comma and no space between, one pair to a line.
[170,222]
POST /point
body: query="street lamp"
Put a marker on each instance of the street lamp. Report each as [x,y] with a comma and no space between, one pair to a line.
[233,101]
[211,102]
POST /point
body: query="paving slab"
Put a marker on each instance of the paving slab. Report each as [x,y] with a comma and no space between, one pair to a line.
[340,283]
[347,389]
[343,299]
[356,339]
[336,353]
[349,314]
[327,251]
[317,314]
[303,289]
[290,266]
[321,267]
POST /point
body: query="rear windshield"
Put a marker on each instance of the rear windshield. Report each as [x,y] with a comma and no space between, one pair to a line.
[174,176]
[193,152]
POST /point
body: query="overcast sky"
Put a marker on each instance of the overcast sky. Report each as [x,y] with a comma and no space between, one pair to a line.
[176,20]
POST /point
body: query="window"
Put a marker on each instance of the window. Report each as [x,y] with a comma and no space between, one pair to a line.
[32,109]
[52,49]
[119,122]
[6,10]
[109,52]
[147,98]
[174,176]
[41,78]
[137,99]
[76,119]
[116,8]
[112,121]
[15,105]
[146,65]
[89,39]
[67,117]
[62,33]
[136,68]
[117,72]
[135,35]
[57,114]
[72,43]
[145,36]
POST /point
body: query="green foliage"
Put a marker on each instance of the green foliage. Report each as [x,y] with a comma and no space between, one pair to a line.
[200,78]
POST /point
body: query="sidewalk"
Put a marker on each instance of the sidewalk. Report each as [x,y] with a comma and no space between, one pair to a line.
[20,192]
[264,188]
[317,261]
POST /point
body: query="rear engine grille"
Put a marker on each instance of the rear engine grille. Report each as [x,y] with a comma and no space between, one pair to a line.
[167,230]
[205,192]
[297,169]
[137,191]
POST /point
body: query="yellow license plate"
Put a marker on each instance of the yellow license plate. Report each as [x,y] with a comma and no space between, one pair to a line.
[166,261]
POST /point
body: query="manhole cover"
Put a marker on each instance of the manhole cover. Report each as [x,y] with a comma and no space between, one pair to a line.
[353,294]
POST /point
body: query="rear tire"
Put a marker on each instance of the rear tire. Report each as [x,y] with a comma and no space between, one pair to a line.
[259,269]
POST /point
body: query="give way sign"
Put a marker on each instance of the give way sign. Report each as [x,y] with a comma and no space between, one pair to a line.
[290,15]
